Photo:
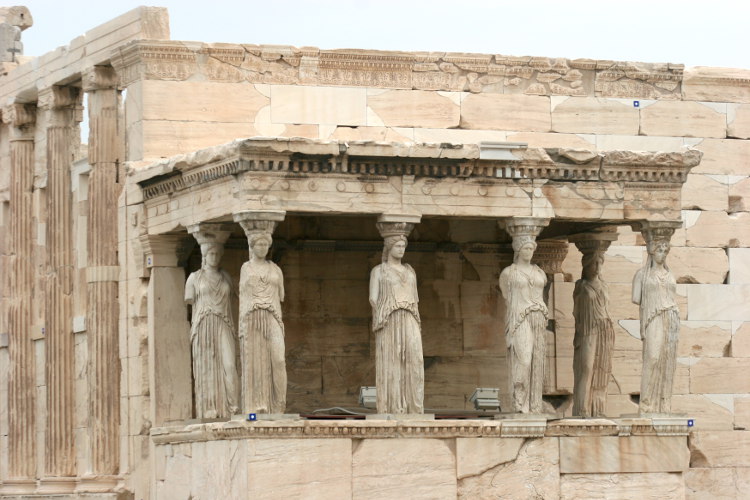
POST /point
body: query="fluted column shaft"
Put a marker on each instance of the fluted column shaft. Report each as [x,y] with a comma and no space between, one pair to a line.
[60,456]
[102,301]
[22,386]
[59,436]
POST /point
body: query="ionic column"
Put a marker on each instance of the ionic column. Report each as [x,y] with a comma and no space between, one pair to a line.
[594,338]
[170,372]
[263,366]
[522,285]
[102,273]
[21,376]
[60,105]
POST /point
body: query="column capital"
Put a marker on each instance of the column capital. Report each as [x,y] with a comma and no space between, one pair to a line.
[259,221]
[59,96]
[594,241]
[524,226]
[99,78]
[19,114]
[660,231]
[397,224]
[164,250]
[205,232]
[550,254]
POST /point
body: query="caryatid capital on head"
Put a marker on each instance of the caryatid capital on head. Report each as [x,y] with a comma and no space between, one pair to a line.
[259,222]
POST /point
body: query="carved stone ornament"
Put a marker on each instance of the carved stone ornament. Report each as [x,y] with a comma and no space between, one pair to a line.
[655,290]
[99,78]
[399,363]
[212,333]
[550,254]
[59,97]
[594,338]
[19,114]
[522,285]
[261,329]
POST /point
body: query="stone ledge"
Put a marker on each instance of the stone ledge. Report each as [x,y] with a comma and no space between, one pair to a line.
[431,429]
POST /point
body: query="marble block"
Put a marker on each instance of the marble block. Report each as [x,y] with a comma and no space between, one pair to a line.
[416,469]
[613,454]
[653,486]
[299,468]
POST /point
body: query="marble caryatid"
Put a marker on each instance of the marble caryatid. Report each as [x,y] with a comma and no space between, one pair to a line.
[522,285]
[654,290]
[594,338]
[212,333]
[396,324]
[264,380]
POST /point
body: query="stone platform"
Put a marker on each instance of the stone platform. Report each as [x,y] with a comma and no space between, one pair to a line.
[639,458]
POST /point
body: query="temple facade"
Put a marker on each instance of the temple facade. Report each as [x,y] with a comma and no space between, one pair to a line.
[324,155]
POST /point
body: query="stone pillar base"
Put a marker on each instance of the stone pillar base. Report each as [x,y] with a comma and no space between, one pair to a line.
[17,486]
[57,485]
[97,484]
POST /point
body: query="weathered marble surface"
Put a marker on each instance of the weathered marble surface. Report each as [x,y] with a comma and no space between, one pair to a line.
[421,468]
[613,454]
[534,474]
[624,486]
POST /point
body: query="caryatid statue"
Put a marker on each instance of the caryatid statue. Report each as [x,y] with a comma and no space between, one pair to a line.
[212,332]
[522,285]
[399,364]
[261,332]
[654,290]
[594,338]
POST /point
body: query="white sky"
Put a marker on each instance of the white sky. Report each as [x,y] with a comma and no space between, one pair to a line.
[691,32]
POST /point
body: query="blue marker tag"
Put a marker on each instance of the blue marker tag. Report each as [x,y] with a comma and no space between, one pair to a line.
[636,104]
[252,416]
[691,422]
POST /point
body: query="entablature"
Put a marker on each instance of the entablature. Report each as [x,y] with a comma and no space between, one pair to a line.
[493,180]
[365,158]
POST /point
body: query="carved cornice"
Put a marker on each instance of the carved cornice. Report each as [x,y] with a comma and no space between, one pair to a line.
[369,159]
[432,429]
[154,60]
[173,60]
[631,166]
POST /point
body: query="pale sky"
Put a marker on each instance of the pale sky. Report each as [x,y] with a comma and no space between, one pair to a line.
[694,33]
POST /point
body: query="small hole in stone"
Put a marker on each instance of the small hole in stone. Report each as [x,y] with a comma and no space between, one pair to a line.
[636,398]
